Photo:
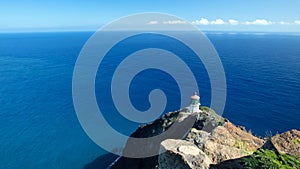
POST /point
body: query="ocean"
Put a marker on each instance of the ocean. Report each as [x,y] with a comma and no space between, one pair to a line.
[39,127]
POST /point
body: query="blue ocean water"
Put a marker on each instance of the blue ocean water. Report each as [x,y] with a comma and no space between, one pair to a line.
[39,127]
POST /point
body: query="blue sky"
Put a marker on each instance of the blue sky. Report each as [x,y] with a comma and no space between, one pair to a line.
[231,15]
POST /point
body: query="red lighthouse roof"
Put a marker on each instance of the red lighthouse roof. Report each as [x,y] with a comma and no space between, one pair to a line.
[195,96]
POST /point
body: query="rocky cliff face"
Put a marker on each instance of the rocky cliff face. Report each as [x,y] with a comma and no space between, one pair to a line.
[288,142]
[212,142]
[180,154]
[223,143]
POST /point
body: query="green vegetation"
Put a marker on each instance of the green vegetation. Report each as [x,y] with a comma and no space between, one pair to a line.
[297,141]
[268,159]
[170,119]
[173,119]
[210,111]
[242,145]
[205,108]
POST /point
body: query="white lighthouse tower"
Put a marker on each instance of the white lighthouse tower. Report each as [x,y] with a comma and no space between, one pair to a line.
[195,103]
[192,108]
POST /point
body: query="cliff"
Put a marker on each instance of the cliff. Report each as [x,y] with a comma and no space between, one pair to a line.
[212,142]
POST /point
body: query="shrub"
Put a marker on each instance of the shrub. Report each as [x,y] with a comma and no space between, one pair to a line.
[218,119]
[268,159]
[297,141]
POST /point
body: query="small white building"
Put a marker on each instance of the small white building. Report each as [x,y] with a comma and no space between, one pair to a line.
[192,108]
[195,103]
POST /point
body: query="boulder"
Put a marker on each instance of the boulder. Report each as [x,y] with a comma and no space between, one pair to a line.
[288,142]
[220,146]
[224,142]
[180,154]
[250,142]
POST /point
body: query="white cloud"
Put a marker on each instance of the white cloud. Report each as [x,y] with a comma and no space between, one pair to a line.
[217,22]
[152,22]
[173,22]
[233,22]
[297,22]
[283,23]
[202,21]
[258,22]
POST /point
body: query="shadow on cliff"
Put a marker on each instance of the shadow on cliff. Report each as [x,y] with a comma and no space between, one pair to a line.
[229,164]
[105,160]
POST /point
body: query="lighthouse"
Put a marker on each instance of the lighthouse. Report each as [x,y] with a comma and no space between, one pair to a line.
[195,103]
[193,108]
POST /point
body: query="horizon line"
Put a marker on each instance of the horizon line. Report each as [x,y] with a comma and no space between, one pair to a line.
[94,30]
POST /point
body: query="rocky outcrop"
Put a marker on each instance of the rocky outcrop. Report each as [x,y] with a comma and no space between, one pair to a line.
[211,142]
[288,142]
[223,143]
[224,148]
[244,139]
[144,131]
[136,149]
[180,154]
[206,118]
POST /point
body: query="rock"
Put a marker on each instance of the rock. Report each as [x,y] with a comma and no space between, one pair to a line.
[211,142]
[219,153]
[288,142]
[224,142]
[220,146]
[208,119]
[229,164]
[197,136]
[138,147]
[250,142]
[180,154]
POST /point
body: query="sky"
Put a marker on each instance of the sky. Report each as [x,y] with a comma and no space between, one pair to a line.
[208,15]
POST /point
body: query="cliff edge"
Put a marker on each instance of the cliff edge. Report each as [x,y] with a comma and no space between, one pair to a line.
[212,142]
